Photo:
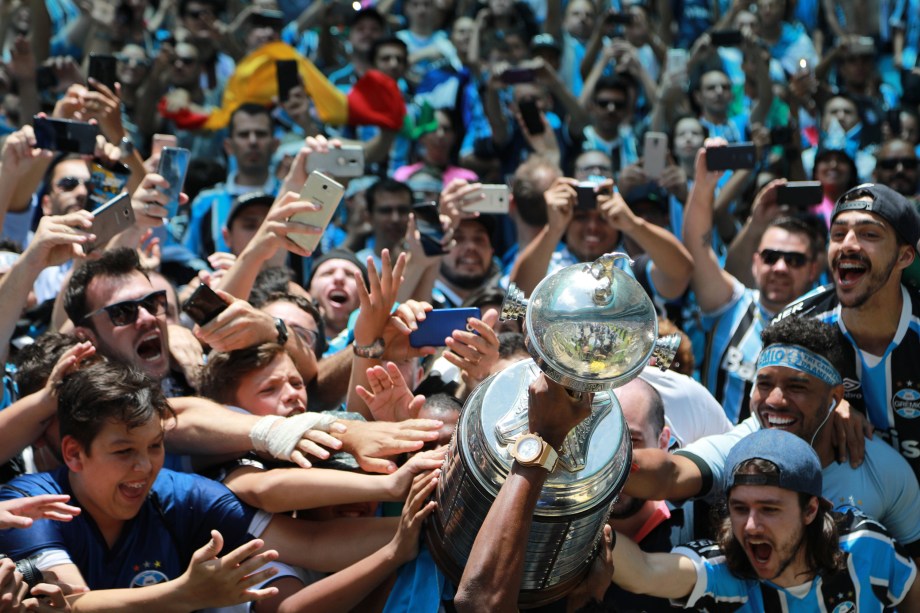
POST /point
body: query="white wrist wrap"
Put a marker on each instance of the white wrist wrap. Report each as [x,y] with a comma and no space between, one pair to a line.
[280,439]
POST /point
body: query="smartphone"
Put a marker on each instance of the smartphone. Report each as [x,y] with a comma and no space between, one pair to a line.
[65,135]
[346,161]
[518,75]
[203,305]
[324,191]
[163,140]
[103,11]
[107,180]
[625,19]
[800,194]
[45,79]
[863,45]
[288,78]
[731,157]
[587,196]
[533,118]
[781,135]
[102,67]
[677,60]
[112,218]
[440,324]
[726,38]
[495,200]
[428,224]
[173,167]
[655,154]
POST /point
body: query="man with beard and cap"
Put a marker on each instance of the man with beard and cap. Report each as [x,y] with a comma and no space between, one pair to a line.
[784,267]
[781,547]
[896,166]
[468,267]
[797,387]
[873,237]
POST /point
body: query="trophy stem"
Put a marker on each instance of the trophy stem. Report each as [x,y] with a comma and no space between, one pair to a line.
[514,306]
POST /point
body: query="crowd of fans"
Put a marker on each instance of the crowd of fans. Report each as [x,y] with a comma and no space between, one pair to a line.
[282,454]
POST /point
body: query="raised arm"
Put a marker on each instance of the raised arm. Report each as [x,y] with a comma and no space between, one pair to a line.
[665,575]
[712,285]
[492,577]
[533,262]
[659,475]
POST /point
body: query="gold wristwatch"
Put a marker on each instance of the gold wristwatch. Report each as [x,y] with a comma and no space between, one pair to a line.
[531,450]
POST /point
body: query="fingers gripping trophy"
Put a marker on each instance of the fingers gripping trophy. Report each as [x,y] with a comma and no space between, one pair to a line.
[590,327]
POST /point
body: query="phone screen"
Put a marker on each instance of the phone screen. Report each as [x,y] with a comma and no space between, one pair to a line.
[173,167]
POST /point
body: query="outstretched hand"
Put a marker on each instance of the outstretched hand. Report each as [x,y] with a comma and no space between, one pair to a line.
[21,512]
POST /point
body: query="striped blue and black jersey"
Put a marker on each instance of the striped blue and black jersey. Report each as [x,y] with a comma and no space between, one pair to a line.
[886,388]
[732,347]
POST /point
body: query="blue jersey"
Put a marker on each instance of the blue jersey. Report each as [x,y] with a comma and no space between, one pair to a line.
[876,576]
[732,346]
[886,388]
[156,546]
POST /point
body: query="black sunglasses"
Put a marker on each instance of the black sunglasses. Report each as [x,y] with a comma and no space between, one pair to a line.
[793,259]
[892,163]
[68,184]
[125,313]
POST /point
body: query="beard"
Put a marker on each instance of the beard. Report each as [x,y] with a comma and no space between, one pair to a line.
[464,281]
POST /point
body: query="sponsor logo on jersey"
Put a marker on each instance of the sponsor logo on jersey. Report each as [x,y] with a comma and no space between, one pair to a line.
[850,385]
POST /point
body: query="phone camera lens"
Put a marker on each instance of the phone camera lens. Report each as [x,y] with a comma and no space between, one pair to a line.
[325,187]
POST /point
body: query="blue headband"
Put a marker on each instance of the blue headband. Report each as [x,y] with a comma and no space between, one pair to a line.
[801,359]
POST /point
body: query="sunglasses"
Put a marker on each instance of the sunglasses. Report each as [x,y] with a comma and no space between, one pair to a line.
[125,313]
[306,335]
[68,184]
[793,259]
[610,105]
[133,62]
[185,61]
[892,163]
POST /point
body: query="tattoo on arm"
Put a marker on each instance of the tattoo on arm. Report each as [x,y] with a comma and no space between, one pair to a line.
[707,238]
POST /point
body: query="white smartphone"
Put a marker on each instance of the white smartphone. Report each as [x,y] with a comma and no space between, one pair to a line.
[495,200]
[655,154]
[324,191]
[677,60]
[344,161]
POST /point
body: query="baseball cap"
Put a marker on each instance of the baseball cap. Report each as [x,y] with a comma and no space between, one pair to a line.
[887,204]
[545,41]
[247,200]
[796,462]
[647,192]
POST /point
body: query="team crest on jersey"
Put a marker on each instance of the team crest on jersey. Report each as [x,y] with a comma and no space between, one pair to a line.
[149,575]
[906,402]
[845,607]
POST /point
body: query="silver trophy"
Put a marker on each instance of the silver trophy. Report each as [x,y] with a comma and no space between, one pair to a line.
[590,327]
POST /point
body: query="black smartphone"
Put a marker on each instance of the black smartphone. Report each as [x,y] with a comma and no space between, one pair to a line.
[204,305]
[102,67]
[800,194]
[624,19]
[781,135]
[726,38]
[587,197]
[518,75]
[65,135]
[110,219]
[45,79]
[440,324]
[288,78]
[530,113]
[731,157]
[428,224]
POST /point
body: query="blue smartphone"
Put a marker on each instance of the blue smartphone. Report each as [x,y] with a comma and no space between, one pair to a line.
[441,323]
[173,167]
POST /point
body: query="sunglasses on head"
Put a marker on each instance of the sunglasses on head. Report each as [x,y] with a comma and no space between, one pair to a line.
[793,259]
[892,163]
[125,313]
[68,184]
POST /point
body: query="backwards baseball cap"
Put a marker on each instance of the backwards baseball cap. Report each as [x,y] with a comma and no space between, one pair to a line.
[887,204]
[247,200]
[647,192]
[797,464]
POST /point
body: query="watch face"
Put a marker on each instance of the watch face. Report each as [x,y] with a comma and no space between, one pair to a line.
[529,449]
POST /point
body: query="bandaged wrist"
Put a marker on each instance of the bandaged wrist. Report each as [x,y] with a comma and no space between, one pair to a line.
[280,439]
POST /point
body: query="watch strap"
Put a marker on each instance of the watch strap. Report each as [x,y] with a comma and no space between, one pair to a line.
[282,329]
[374,351]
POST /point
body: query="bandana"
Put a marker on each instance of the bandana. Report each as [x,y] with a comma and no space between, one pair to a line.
[801,359]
